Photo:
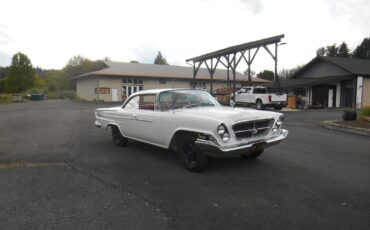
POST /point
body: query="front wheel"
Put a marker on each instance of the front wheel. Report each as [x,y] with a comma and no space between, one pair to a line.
[192,158]
[117,137]
[252,155]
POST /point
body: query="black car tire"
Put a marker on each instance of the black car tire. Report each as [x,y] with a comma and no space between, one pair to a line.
[252,155]
[117,137]
[191,157]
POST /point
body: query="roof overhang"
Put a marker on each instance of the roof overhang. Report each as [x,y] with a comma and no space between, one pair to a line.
[237,48]
[307,82]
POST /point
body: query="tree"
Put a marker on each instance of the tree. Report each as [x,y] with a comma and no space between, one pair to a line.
[320,52]
[160,60]
[21,75]
[343,50]
[285,74]
[78,65]
[266,74]
[334,51]
[363,50]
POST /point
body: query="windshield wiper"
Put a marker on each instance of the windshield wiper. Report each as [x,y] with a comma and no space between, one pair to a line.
[198,104]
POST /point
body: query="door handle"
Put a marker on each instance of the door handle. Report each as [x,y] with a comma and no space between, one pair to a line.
[134,116]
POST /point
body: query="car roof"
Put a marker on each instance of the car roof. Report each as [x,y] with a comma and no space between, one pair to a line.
[157,91]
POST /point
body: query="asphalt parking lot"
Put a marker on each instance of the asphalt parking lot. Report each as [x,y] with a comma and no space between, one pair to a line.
[57,171]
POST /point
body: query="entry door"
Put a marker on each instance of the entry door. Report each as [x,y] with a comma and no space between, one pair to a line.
[114,94]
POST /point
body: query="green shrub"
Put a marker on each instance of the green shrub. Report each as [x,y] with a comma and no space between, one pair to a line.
[365,111]
[62,94]
[349,115]
[5,98]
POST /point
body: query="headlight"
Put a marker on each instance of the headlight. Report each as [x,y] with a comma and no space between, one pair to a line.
[222,131]
[278,124]
[225,137]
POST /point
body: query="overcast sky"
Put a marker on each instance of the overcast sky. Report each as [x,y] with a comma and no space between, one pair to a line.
[51,32]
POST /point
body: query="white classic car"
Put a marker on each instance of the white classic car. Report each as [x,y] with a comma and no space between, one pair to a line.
[193,124]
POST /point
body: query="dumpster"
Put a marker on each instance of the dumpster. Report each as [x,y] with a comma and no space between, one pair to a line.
[292,102]
[37,97]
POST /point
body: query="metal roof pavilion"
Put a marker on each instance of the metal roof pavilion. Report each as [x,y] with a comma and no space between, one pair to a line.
[230,58]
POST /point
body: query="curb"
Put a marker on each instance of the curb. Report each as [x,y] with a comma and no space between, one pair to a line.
[345,128]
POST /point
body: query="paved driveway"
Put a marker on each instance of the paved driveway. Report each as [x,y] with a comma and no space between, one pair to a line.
[316,179]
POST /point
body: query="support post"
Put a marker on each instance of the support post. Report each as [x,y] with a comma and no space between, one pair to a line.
[194,73]
[276,80]
[249,66]
[212,72]
[233,69]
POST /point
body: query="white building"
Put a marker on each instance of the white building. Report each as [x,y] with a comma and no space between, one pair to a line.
[121,79]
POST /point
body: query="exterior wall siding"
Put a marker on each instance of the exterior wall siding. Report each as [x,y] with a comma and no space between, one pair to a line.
[366,92]
[112,84]
[323,69]
[85,89]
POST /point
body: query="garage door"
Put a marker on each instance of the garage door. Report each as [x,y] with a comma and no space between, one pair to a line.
[366,92]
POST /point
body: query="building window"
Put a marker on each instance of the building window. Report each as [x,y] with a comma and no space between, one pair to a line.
[162,81]
[200,85]
[131,85]
[300,92]
[102,90]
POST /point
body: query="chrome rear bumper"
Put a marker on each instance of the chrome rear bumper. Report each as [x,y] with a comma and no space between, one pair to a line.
[212,149]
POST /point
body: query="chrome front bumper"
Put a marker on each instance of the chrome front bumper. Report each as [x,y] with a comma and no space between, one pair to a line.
[214,150]
[97,124]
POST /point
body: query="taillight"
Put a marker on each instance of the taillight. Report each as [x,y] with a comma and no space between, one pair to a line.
[269,98]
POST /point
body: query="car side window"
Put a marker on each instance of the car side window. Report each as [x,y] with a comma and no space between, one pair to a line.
[247,90]
[147,102]
[142,102]
[259,91]
[133,103]
[165,100]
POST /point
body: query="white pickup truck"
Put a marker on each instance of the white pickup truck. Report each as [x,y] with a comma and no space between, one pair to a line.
[258,95]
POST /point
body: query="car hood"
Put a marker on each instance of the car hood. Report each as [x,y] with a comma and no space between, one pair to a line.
[232,114]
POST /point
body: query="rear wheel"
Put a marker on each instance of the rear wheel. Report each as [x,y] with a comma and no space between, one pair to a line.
[192,158]
[117,137]
[278,107]
[259,104]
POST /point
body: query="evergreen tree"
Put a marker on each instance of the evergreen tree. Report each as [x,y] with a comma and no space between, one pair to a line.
[160,60]
[363,50]
[343,50]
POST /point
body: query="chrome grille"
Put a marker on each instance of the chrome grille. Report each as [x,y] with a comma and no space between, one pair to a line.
[252,128]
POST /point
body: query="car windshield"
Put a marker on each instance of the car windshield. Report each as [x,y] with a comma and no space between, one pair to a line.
[177,99]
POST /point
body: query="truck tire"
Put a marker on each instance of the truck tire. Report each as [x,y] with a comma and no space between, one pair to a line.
[278,107]
[117,137]
[259,104]
[192,158]
[232,103]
